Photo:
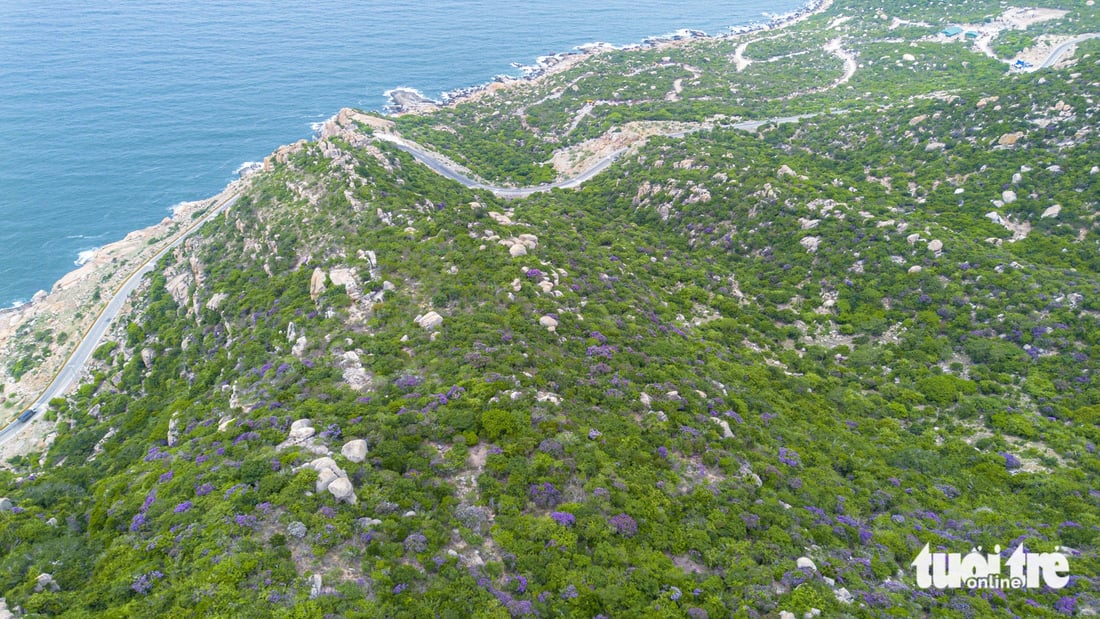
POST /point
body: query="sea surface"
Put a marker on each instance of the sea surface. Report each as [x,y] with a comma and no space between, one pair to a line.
[113,112]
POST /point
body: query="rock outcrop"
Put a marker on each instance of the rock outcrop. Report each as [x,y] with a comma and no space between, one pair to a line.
[355,451]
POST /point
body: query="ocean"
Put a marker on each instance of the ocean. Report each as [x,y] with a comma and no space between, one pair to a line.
[113,112]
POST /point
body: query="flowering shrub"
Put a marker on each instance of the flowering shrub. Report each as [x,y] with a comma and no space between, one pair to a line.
[565,519]
[623,525]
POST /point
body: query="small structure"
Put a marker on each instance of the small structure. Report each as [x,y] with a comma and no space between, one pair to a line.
[951,31]
[971,34]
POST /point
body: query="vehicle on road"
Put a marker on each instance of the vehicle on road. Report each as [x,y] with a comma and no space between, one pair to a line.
[26,415]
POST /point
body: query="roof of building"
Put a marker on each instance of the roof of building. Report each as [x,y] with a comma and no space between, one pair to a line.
[952,30]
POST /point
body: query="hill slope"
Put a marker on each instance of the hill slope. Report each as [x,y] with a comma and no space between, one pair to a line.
[656,395]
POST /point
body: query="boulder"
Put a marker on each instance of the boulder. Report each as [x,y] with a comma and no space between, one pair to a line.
[784,170]
[843,596]
[916,268]
[549,322]
[325,478]
[935,245]
[44,582]
[6,505]
[1008,196]
[342,489]
[315,584]
[429,321]
[1052,211]
[1010,139]
[317,283]
[805,563]
[811,243]
[517,250]
[301,430]
[908,57]
[296,530]
[355,451]
[722,423]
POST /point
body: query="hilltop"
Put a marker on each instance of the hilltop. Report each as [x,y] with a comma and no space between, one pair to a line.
[750,368]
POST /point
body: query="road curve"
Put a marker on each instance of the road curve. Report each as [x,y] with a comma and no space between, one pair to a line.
[1057,53]
[72,367]
[437,165]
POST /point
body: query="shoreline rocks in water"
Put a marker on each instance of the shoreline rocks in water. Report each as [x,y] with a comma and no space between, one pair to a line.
[406,100]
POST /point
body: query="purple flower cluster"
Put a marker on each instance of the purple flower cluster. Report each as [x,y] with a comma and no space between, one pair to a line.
[603,350]
[182,507]
[544,494]
[790,457]
[623,525]
[1011,462]
[534,273]
[203,489]
[143,583]
[155,454]
[167,477]
[565,519]
[408,381]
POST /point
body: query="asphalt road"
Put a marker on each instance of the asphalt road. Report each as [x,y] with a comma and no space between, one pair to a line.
[69,373]
[1057,53]
[439,167]
[74,365]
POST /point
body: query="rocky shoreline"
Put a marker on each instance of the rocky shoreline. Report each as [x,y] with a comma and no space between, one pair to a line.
[405,100]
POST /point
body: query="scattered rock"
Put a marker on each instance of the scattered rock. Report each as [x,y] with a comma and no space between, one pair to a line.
[645,400]
[147,356]
[916,120]
[722,423]
[1095,169]
[342,489]
[843,596]
[1017,178]
[916,268]
[517,250]
[296,530]
[315,584]
[546,396]
[908,57]
[316,283]
[811,243]
[549,322]
[173,430]
[784,170]
[429,321]
[355,451]
[46,581]
[935,245]
[1008,196]
[912,238]
[805,563]
[1010,139]
[301,430]
[1052,211]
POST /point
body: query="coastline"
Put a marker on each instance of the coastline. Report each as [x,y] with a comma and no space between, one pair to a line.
[70,305]
[73,301]
[407,100]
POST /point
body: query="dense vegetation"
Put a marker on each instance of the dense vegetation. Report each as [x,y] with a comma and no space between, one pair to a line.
[808,341]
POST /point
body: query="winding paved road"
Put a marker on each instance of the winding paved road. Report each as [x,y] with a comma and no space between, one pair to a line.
[1057,53]
[433,162]
[73,366]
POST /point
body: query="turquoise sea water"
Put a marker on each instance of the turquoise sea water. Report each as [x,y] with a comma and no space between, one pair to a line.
[112,112]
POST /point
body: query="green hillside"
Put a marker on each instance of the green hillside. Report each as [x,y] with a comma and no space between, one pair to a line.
[837,339]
